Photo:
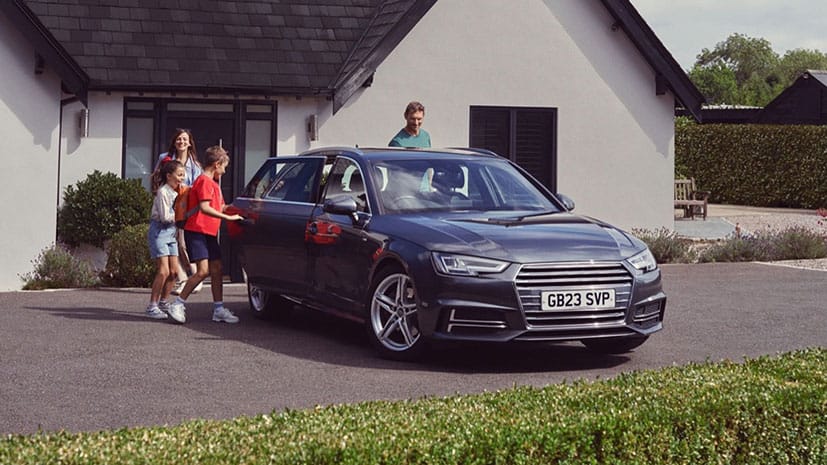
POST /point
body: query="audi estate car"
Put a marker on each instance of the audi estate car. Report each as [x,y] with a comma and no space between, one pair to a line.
[423,245]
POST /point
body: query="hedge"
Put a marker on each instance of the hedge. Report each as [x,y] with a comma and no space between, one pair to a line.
[758,165]
[765,410]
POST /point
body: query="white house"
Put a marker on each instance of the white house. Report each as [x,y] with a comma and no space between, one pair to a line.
[580,92]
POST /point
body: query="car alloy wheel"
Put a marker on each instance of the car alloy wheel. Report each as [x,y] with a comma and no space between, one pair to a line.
[264,304]
[393,323]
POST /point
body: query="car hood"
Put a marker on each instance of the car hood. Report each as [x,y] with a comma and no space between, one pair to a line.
[553,237]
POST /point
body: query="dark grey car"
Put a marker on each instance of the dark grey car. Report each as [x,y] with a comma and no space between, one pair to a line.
[440,244]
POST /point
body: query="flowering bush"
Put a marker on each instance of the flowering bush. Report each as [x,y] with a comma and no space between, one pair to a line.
[57,268]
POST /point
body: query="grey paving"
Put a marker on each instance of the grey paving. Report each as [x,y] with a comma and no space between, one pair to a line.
[711,228]
[83,360]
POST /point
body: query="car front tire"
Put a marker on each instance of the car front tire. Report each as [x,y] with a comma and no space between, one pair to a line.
[614,345]
[393,324]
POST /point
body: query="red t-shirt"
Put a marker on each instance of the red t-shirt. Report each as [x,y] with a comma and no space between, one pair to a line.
[204,188]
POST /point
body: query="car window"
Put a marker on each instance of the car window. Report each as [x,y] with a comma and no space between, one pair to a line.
[456,185]
[290,179]
[346,178]
[262,180]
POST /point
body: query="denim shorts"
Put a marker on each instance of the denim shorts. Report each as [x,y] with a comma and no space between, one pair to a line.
[202,246]
[162,242]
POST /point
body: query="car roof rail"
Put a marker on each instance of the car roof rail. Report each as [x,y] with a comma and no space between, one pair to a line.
[336,150]
[478,150]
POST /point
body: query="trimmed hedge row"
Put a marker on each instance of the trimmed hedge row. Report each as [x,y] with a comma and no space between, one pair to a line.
[758,165]
[766,410]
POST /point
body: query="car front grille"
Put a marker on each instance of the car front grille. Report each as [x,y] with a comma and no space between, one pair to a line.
[536,278]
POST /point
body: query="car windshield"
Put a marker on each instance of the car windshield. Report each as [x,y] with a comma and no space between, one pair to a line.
[456,185]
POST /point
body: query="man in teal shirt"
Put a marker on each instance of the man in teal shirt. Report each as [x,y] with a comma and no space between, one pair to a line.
[412,135]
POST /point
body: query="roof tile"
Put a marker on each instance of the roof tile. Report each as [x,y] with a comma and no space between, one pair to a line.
[288,44]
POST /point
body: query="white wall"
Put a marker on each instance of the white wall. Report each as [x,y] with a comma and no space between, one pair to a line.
[615,136]
[102,149]
[29,115]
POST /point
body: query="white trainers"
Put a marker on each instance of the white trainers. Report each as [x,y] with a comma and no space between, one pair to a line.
[179,286]
[176,311]
[196,288]
[152,311]
[222,314]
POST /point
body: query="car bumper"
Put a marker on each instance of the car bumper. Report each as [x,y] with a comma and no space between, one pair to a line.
[508,307]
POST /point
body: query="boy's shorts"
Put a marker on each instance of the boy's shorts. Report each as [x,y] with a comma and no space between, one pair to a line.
[162,242]
[202,246]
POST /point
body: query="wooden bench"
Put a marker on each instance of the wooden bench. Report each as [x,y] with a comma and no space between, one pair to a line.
[690,200]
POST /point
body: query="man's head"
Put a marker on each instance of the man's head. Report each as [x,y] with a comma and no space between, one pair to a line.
[414,114]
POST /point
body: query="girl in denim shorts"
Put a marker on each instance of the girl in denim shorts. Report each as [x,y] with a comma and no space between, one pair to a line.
[163,246]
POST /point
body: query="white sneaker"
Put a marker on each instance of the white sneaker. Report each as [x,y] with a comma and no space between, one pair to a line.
[197,288]
[179,286]
[222,314]
[152,311]
[176,311]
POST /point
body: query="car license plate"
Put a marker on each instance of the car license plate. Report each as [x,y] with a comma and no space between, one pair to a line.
[576,299]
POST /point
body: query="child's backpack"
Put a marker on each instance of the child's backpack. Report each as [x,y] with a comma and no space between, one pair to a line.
[180,206]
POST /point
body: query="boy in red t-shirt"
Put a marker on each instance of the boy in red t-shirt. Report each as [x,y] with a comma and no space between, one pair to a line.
[201,236]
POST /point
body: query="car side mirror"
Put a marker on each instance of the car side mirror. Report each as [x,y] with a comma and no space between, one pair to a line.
[343,204]
[568,203]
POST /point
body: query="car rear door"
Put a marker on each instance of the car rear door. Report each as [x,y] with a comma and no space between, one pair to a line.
[277,204]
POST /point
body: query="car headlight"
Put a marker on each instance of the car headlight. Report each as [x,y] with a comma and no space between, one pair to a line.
[463,265]
[643,261]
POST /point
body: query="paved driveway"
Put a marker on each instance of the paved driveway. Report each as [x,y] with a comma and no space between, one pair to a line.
[87,359]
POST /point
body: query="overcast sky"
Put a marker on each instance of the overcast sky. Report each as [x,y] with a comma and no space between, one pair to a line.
[687,26]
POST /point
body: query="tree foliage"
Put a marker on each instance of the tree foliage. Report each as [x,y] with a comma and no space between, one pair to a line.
[744,70]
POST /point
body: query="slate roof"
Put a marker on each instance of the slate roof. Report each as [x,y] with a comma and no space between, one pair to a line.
[295,47]
[272,47]
[820,75]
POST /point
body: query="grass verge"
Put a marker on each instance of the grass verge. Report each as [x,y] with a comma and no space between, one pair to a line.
[765,410]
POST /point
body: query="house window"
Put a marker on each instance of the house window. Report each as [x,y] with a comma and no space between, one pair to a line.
[525,135]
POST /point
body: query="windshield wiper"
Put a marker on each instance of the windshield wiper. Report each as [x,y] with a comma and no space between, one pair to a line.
[519,219]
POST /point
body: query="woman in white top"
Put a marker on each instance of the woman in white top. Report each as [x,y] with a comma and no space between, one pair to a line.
[182,149]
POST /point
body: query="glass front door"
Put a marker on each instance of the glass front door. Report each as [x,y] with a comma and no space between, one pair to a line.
[246,130]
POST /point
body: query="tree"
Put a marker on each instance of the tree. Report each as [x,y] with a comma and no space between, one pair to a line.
[716,82]
[746,56]
[744,70]
[795,62]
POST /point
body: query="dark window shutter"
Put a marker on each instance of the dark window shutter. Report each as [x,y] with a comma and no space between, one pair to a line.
[534,143]
[490,129]
[523,135]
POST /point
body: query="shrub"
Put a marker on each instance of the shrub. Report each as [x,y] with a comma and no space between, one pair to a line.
[100,206]
[129,263]
[56,268]
[798,243]
[739,249]
[666,246]
[793,243]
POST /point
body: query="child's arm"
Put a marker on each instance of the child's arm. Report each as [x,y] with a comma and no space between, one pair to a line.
[167,201]
[208,210]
